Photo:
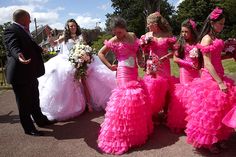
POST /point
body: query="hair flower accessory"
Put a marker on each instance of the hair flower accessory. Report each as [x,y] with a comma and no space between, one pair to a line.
[193,24]
[215,13]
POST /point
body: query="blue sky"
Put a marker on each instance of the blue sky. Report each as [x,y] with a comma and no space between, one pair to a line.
[87,13]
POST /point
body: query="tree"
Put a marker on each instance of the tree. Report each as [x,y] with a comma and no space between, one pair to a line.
[200,9]
[99,43]
[135,12]
[230,24]
[2,28]
[2,47]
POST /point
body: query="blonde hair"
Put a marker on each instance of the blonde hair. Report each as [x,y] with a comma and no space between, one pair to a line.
[162,23]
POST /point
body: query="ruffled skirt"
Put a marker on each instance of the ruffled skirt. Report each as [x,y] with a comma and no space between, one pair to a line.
[206,107]
[127,120]
[176,109]
[230,118]
[61,96]
[157,88]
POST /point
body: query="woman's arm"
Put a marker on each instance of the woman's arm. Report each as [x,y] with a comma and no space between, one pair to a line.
[183,63]
[102,53]
[208,65]
[53,42]
[167,56]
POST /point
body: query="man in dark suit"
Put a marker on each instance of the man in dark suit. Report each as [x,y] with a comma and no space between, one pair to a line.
[24,66]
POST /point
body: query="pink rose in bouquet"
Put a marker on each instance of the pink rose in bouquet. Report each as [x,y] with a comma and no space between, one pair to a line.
[145,42]
[153,64]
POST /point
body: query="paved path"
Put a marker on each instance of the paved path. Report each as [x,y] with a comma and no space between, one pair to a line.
[77,138]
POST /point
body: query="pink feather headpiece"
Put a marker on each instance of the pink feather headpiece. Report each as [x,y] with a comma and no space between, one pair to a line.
[193,24]
[215,13]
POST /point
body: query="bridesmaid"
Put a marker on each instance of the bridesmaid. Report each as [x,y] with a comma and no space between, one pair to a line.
[212,95]
[155,45]
[187,57]
[127,120]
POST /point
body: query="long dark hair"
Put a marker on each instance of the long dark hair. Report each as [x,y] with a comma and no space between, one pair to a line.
[67,33]
[181,41]
[207,27]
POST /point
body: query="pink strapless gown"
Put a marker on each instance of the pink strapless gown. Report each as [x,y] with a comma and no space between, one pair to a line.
[207,104]
[127,120]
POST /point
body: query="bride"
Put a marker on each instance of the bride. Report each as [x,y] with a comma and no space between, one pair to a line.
[62,96]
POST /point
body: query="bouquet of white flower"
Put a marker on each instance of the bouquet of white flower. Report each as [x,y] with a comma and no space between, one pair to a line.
[193,53]
[81,55]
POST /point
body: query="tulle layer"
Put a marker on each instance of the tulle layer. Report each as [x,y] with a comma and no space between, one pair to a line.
[157,89]
[61,97]
[176,109]
[230,118]
[127,120]
[100,82]
[206,106]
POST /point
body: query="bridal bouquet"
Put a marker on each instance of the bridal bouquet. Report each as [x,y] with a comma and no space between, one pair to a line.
[193,53]
[153,64]
[230,47]
[81,55]
[145,42]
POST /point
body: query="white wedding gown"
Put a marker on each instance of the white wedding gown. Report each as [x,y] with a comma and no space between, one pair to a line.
[62,97]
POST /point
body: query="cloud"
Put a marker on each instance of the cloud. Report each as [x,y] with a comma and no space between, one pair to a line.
[6,12]
[32,2]
[177,4]
[47,17]
[57,25]
[104,6]
[87,21]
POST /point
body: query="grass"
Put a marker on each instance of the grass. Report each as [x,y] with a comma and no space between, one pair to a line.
[229,66]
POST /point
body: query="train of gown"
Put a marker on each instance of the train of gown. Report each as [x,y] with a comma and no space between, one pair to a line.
[100,82]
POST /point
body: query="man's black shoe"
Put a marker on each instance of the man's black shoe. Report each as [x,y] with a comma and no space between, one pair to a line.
[47,122]
[34,133]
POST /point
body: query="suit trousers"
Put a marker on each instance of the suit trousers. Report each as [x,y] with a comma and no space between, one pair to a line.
[27,99]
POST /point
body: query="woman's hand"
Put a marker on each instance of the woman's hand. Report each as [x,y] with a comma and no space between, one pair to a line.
[222,87]
[113,67]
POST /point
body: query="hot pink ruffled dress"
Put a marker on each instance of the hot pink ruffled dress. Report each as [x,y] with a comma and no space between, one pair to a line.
[158,85]
[207,104]
[127,120]
[176,109]
[230,118]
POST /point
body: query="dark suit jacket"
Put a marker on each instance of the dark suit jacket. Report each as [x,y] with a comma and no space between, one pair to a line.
[16,41]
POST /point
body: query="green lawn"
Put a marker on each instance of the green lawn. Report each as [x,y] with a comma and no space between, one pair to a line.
[229,66]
